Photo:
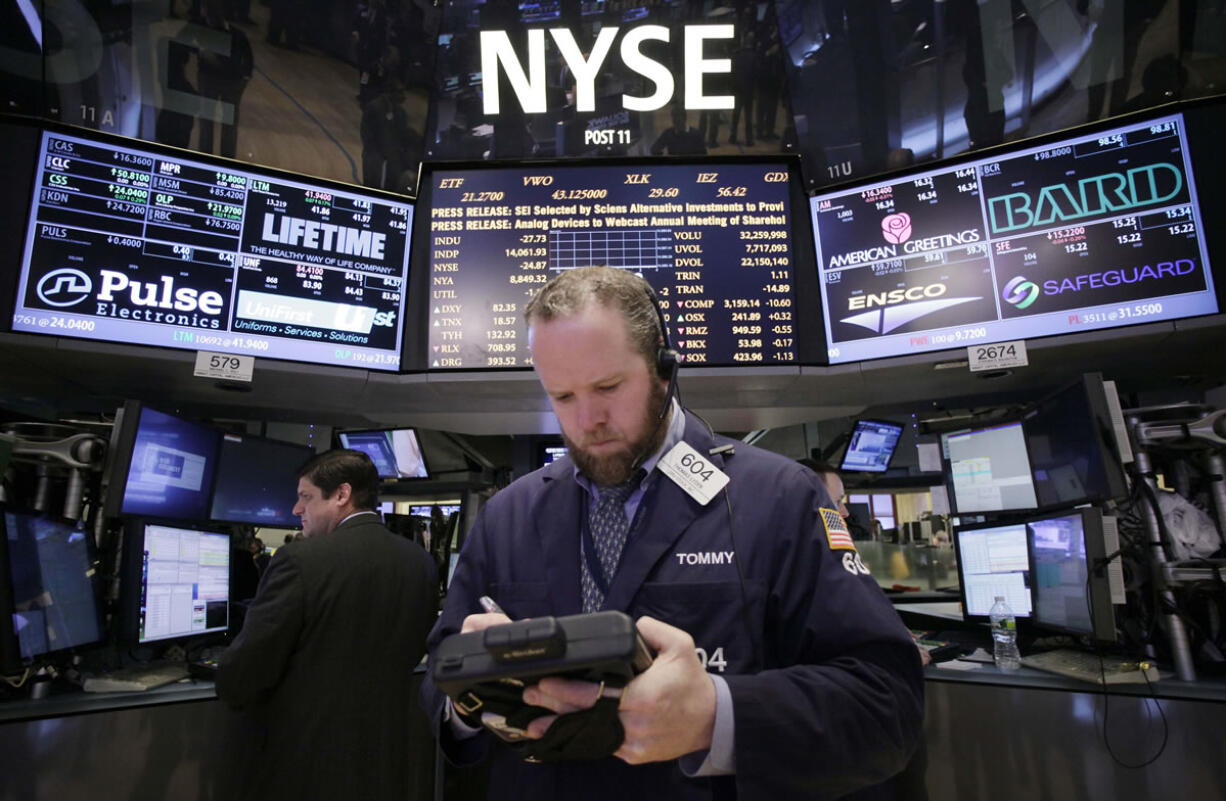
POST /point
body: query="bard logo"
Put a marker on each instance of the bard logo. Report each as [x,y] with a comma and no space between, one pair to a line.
[64,287]
[1021,292]
[896,228]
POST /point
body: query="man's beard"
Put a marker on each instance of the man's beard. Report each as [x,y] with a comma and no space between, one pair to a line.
[616,467]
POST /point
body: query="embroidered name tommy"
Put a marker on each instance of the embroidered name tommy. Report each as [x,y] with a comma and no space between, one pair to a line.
[705,558]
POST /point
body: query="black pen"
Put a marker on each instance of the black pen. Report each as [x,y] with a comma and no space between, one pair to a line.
[490,605]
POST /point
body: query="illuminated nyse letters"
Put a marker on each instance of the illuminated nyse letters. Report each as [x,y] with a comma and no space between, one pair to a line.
[497,53]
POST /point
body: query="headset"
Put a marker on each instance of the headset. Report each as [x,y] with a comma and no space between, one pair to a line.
[667,360]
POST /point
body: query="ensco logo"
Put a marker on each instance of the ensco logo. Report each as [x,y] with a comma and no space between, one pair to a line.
[1021,292]
[64,287]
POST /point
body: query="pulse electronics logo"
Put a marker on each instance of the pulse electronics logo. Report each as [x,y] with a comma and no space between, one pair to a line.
[896,228]
[64,287]
[1021,292]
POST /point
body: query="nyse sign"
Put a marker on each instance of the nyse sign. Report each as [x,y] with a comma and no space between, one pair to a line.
[498,54]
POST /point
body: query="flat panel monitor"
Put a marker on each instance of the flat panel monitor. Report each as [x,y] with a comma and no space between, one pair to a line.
[551,453]
[178,582]
[1072,446]
[396,452]
[871,446]
[139,244]
[426,510]
[1097,230]
[988,469]
[49,588]
[257,482]
[992,561]
[164,465]
[713,239]
[1072,592]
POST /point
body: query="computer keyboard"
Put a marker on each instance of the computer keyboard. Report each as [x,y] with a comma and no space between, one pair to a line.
[1085,666]
[204,667]
[136,678]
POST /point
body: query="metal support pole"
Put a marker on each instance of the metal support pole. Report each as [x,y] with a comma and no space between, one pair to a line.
[1217,489]
[1174,626]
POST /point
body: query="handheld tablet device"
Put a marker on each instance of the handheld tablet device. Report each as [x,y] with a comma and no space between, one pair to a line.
[485,672]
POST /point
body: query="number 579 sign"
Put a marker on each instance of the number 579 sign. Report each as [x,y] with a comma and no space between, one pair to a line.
[225,366]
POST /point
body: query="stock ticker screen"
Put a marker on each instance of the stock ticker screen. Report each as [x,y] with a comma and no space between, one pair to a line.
[1096,231]
[714,242]
[130,245]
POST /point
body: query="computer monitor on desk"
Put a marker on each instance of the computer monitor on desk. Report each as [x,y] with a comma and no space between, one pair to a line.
[176,581]
[48,589]
[161,465]
[1074,585]
[993,560]
[988,469]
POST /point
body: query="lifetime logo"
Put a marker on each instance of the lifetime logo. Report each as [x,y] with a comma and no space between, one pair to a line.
[64,287]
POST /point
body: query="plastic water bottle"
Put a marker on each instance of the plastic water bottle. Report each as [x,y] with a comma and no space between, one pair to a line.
[1004,636]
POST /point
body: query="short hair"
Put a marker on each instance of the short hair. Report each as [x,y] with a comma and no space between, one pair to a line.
[573,291]
[330,469]
[823,469]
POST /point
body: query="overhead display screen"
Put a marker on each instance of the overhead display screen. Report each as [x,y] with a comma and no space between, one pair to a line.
[713,241]
[127,245]
[1093,232]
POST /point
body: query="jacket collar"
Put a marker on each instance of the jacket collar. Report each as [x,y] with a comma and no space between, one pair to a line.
[666,512]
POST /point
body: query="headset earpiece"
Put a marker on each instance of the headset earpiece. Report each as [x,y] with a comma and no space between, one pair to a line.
[666,362]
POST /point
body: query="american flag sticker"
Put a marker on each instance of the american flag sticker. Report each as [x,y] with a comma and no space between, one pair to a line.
[836,531]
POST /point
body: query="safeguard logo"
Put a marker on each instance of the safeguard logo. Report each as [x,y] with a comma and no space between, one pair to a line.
[64,287]
[1021,292]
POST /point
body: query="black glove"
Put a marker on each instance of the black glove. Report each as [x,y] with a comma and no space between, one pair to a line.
[593,733]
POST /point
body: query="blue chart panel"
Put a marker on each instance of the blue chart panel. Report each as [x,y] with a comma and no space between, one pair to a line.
[634,249]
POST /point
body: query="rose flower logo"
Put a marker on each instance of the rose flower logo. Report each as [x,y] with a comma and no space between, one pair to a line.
[896,228]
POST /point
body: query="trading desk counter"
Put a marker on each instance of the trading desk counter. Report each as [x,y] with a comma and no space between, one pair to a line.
[177,741]
[65,704]
[1027,734]
[1023,735]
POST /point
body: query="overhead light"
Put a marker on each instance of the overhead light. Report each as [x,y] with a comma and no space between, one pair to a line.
[951,365]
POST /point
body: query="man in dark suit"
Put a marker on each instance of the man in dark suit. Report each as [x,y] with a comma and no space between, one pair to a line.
[322,667]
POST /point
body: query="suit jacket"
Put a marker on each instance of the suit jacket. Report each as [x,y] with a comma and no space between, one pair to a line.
[826,682]
[322,667]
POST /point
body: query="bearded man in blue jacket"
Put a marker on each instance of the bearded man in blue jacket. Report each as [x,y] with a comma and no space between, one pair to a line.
[781,669]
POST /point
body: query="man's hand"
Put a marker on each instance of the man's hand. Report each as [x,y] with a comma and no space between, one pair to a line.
[478,623]
[483,621]
[667,711]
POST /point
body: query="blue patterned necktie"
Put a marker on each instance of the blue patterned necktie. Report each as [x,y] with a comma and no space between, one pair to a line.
[608,525]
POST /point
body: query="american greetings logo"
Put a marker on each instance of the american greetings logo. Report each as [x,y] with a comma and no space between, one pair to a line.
[896,228]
